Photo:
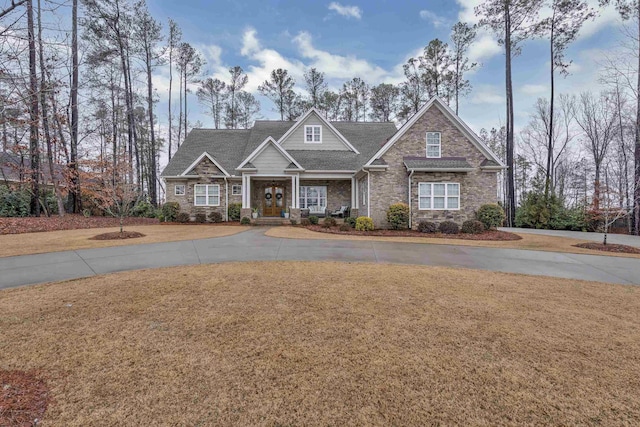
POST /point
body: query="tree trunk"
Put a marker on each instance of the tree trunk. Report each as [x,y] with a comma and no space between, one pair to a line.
[170,86]
[34,149]
[636,156]
[511,199]
[45,116]
[547,182]
[74,198]
[152,150]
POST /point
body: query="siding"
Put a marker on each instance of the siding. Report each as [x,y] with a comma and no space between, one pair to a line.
[270,161]
[330,141]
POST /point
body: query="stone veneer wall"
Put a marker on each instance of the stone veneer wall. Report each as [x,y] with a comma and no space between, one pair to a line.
[391,186]
[206,171]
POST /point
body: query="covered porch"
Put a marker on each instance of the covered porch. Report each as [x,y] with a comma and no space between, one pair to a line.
[297,196]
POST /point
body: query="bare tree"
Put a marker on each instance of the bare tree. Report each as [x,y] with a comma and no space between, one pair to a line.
[212,95]
[279,89]
[462,35]
[172,43]
[238,80]
[512,21]
[597,118]
[315,85]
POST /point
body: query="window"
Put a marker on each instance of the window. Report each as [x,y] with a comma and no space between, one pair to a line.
[433,144]
[207,195]
[313,134]
[179,190]
[236,190]
[438,196]
[313,198]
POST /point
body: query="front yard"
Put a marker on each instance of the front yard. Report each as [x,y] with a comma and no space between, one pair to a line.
[288,343]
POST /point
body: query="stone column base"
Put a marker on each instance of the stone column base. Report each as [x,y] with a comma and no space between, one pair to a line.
[294,213]
[245,212]
[354,212]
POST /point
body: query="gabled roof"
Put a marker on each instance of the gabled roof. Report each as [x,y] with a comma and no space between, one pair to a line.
[442,164]
[268,141]
[448,112]
[199,159]
[232,146]
[323,120]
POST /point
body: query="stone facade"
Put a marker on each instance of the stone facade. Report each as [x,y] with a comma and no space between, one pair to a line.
[391,186]
[338,192]
[208,173]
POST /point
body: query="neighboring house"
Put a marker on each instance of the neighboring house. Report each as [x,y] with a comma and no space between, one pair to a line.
[15,169]
[434,163]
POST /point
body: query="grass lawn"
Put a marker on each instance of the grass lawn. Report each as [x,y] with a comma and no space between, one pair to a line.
[534,242]
[66,240]
[288,343]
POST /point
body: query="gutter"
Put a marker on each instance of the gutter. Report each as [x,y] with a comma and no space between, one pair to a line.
[368,194]
[460,170]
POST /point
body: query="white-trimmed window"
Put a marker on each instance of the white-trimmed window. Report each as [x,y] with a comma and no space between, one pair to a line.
[236,190]
[438,196]
[313,134]
[179,190]
[206,195]
[313,198]
[433,144]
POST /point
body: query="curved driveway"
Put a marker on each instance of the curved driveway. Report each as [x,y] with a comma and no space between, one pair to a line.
[253,245]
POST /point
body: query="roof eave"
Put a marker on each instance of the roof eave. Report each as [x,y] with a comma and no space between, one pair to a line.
[460,170]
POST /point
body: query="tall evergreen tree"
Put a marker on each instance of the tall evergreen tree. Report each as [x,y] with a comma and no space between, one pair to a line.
[279,89]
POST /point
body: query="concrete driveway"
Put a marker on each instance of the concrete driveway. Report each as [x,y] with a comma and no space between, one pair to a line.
[620,239]
[253,245]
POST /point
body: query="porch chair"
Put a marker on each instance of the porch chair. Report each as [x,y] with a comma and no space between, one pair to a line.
[342,212]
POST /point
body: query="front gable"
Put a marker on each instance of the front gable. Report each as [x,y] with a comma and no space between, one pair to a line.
[456,139]
[269,158]
[330,138]
[205,165]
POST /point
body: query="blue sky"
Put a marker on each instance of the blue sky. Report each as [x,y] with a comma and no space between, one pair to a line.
[371,40]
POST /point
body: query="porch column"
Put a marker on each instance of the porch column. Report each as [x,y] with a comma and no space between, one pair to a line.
[354,192]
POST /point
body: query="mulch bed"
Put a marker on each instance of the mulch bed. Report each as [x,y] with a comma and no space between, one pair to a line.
[67,222]
[487,235]
[24,397]
[609,247]
[116,235]
[227,223]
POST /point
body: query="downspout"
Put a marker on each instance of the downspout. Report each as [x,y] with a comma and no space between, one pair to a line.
[226,199]
[368,194]
[410,203]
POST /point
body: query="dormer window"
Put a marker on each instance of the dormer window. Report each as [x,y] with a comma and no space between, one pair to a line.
[313,134]
[433,144]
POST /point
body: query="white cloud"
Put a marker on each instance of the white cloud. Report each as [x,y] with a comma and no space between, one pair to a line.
[345,10]
[487,94]
[533,89]
[337,66]
[435,19]
[484,47]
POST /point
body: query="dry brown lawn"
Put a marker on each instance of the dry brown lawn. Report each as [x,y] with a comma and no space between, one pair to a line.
[289,343]
[532,242]
[66,240]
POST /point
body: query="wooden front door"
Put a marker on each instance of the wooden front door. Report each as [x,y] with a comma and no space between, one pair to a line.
[273,201]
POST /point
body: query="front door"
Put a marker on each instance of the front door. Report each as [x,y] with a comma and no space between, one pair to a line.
[273,201]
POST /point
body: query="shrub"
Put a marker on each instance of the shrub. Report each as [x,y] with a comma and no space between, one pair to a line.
[448,227]
[183,217]
[345,227]
[201,218]
[143,209]
[294,222]
[313,219]
[491,215]
[170,211]
[329,222]
[473,226]
[427,227]
[364,223]
[14,203]
[215,216]
[245,220]
[234,211]
[398,216]
[351,221]
[305,222]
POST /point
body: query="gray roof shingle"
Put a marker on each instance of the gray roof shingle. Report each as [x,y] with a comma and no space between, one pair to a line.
[231,147]
[444,163]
